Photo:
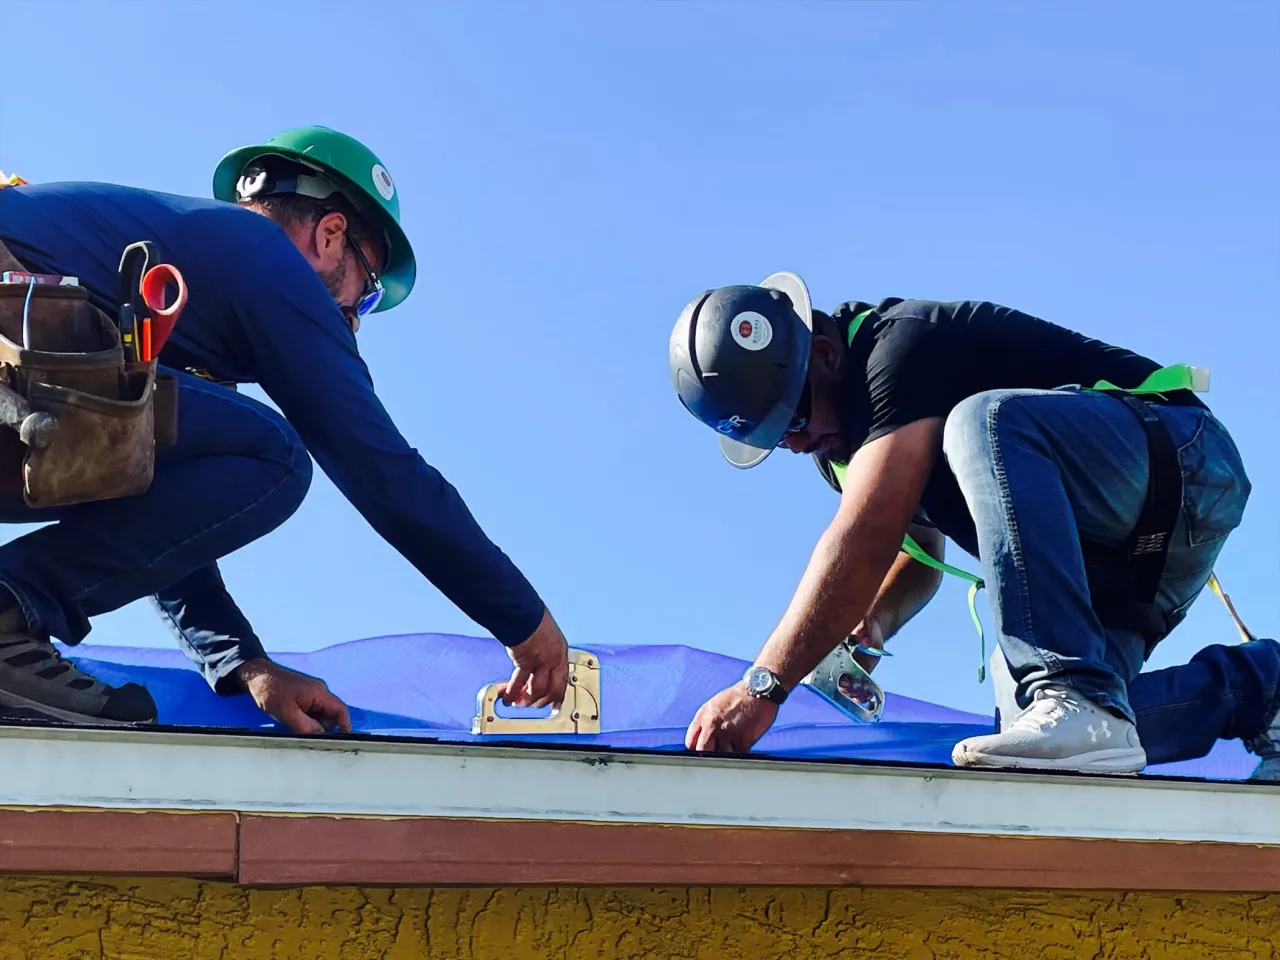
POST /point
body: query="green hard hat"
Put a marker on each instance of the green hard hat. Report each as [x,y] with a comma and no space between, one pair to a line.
[357,171]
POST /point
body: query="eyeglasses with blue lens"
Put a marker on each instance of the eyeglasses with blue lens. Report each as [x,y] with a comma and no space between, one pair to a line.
[373,291]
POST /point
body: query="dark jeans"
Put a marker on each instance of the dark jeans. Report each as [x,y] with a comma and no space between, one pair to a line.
[237,472]
[1039,470]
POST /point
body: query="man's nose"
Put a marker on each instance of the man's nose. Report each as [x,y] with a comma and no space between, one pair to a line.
[796,442]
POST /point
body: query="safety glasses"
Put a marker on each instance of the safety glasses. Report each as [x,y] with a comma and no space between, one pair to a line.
[373,290]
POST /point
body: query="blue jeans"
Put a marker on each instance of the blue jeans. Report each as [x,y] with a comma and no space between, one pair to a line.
[236,473]
[1042,469]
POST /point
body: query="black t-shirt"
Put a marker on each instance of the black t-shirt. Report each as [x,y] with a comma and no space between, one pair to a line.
[916,359]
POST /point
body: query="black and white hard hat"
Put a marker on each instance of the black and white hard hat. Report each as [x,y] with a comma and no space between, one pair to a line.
[739,359]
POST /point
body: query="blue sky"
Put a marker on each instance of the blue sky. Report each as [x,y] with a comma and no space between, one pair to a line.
[572,173]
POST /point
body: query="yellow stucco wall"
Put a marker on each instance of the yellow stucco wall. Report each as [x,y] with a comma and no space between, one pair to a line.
[56,919]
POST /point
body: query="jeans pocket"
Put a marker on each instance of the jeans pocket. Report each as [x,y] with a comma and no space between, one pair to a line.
[1215,487]
[1179,613]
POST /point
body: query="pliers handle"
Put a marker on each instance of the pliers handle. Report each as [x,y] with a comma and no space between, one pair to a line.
[164,318]
[136,260]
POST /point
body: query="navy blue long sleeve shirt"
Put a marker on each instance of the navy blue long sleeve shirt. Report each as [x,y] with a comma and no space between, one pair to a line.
[258,313]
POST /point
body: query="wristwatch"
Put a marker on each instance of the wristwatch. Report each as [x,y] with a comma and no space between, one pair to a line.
[763,684]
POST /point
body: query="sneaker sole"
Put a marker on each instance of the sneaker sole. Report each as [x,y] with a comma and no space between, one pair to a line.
[1101,761]
[13,701]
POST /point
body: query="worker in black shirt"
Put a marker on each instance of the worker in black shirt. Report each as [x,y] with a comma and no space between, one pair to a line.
[1096,506]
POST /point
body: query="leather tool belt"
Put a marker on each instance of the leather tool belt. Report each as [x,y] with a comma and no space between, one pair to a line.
[79,422]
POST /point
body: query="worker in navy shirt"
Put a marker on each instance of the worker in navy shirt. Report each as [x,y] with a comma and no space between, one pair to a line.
[279,280]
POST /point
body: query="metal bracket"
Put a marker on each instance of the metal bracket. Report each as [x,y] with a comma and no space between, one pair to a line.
[579,714]
[841,680]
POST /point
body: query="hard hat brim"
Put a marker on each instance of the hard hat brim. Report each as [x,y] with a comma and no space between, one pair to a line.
[741,455]
[770,433]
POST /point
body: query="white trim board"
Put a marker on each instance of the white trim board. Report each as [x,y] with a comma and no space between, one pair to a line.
[178,771]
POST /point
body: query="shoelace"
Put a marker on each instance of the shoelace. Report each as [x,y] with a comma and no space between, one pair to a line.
[1038,717]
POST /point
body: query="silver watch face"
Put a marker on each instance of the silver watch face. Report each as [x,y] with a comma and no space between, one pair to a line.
[759,680]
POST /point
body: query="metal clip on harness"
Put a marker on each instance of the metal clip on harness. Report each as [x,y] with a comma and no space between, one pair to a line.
[841,680]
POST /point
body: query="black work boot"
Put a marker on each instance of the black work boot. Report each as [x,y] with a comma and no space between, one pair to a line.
[35,681]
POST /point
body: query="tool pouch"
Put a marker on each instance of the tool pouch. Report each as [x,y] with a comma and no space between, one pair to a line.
[84,423]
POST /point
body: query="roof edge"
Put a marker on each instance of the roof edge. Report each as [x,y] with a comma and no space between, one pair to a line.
[206,772]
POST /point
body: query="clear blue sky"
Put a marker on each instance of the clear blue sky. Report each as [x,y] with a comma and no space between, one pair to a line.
[572,173]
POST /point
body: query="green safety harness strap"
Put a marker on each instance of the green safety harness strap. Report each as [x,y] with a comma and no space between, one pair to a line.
[1180,376]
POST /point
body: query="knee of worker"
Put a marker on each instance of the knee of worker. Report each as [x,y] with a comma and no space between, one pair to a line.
[1216,488]
[979,424]
[282,450]
[280,465]
[297,462]
[214,422]
[968,435]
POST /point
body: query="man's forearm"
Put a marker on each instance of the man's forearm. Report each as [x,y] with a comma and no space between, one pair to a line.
[354,440]
[834,595]
[909,586]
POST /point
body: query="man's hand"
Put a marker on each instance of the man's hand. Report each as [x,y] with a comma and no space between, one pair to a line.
[302,703]
[541,670]
[868,634]
[730,722]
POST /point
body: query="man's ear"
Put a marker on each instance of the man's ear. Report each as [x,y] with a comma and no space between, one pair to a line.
[330,236]
[826,355]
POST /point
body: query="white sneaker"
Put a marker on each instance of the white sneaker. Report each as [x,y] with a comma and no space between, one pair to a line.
[1061,730]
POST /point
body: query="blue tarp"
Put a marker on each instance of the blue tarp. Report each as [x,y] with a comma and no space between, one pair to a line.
[425,685]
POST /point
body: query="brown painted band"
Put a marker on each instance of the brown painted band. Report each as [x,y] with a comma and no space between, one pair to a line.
[294,850]
[263,850]
[151,843]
